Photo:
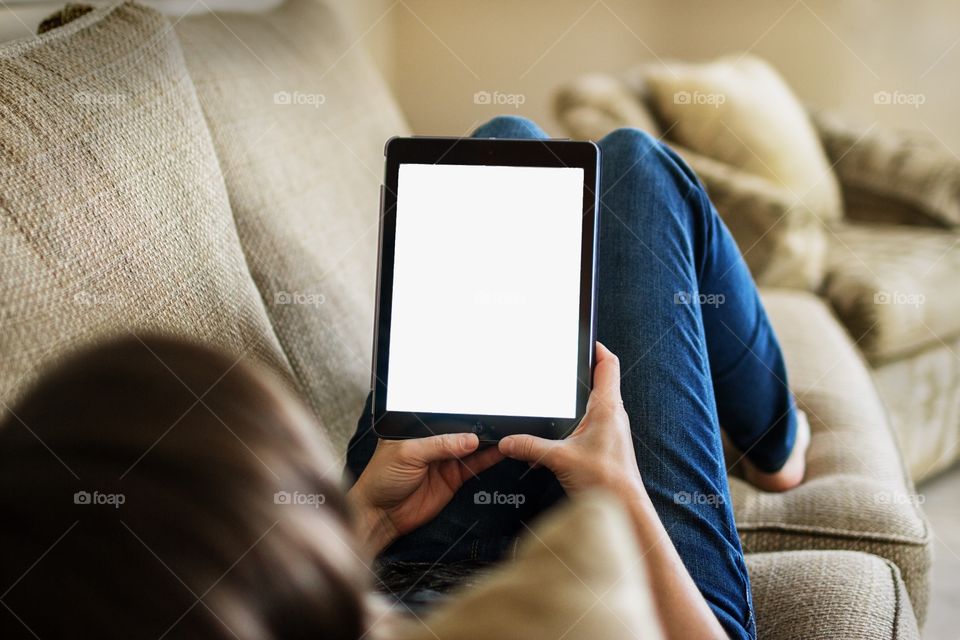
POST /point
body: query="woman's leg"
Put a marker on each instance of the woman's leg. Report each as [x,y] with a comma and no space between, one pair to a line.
[679,308]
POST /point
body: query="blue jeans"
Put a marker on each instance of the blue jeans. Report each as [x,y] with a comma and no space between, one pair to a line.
[679,308]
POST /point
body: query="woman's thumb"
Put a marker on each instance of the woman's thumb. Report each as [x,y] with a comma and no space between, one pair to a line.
[528,448]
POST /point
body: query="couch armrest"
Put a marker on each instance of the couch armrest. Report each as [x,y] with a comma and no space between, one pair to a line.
[822,595]
[857,495]
[891,176]
[781,240]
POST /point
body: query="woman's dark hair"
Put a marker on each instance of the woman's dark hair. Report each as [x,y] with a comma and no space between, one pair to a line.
[158,489]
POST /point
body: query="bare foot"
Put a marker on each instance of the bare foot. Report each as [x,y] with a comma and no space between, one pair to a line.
[791,473]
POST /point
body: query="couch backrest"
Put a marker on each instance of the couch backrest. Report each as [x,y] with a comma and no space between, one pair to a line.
[299,117]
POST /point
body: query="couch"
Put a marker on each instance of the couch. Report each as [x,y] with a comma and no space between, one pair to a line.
[216,176]
[885,260]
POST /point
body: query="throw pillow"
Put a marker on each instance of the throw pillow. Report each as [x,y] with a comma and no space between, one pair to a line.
[740,111]
[578,575]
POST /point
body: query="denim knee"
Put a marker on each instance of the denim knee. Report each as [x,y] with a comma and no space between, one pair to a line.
[507,126]
[629,148]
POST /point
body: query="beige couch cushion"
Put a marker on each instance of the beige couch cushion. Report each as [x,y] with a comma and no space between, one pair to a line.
[894,287]
[824,595]
[578,574]
[115,218]
[740,111]
[856,495]
[299,119]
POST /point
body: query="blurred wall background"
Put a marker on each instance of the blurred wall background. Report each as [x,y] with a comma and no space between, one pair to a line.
[834,53]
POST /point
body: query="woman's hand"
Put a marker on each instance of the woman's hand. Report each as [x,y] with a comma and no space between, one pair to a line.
[599,453]
[408,482]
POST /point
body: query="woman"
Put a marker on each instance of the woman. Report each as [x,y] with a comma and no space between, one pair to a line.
[678,306]
[158,489]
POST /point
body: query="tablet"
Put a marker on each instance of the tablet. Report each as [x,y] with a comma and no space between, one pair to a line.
[486,290]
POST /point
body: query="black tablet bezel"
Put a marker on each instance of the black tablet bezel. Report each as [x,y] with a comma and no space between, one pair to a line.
[483,151]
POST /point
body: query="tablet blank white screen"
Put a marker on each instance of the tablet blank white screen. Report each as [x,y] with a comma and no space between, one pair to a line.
[486,290]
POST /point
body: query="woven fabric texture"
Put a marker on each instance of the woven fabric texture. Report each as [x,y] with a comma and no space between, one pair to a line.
[828,595]
[299,119]
[114,217]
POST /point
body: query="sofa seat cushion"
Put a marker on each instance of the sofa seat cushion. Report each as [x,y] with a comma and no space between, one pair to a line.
[922,395]
[299,118]
[856,495]
[115,219]
[823,595]
[895,288]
